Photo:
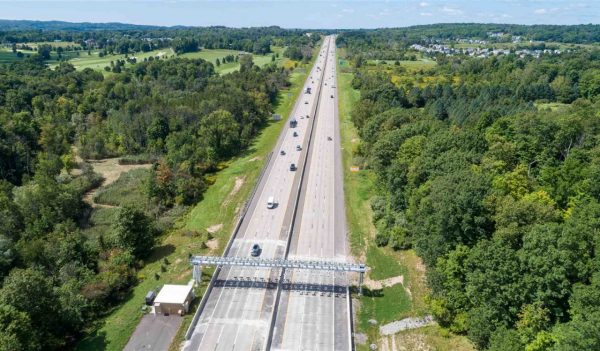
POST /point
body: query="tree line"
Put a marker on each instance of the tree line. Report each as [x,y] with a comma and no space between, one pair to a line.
[496,193]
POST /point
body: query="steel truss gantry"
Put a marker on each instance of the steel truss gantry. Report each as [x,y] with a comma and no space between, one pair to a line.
[199,261]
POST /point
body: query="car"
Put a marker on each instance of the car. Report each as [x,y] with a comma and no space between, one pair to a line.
[282,152]
[332,96]
[306,102]
[328,138]
[295,134]
[293,167]
[307,116]
[298,147]
[325,83]
[255,252]
[270,202]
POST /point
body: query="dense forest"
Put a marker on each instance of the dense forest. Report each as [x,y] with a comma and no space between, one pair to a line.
[179,112]
[488,168]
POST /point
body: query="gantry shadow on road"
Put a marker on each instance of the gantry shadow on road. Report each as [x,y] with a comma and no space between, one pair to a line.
[260,283]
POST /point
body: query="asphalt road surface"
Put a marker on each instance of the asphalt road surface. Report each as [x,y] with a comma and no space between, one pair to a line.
[313,310]
[238,312]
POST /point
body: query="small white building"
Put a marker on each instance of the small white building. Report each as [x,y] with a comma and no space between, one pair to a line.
[174,299]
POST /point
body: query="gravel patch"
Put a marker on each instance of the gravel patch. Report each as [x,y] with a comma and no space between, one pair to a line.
[405,324]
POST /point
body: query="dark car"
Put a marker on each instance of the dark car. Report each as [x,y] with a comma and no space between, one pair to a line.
[292,167]
[255,252]
[295,134]
[282,152]
[150,296]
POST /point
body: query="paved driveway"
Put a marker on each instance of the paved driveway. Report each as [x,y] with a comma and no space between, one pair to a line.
[155,332]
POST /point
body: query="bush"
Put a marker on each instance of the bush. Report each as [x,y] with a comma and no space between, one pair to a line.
[381,239]
[398,239]
[140,159]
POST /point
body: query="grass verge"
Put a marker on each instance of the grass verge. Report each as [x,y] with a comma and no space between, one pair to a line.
[220,205]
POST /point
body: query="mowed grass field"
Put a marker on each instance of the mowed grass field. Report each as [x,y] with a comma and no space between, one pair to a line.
[81,59]
[95,62]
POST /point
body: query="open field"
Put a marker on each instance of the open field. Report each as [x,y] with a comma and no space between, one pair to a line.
[94,61]
[220,205]
[423,63]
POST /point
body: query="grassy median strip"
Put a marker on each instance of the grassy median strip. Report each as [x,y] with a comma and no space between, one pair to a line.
[218,209]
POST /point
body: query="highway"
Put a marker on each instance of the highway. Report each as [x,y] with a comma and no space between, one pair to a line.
[313,313]
[239,310]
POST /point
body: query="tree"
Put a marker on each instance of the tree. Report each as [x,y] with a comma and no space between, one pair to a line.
[134,231]
[220,131]
[246,62]
[16,330]
[44,51]
[449,210]
[30,292]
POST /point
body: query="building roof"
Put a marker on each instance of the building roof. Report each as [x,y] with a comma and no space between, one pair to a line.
[171,293]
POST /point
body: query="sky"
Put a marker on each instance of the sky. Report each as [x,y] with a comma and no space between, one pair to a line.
[305,13]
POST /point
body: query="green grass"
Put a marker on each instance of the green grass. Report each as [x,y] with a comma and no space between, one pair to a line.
[386,305]
[383,263]
[213,55]
[419,64]
[101,221]
[358,186]
[95,62]
[7,56]
[438,339]
[219,205]
[552,106]
[127,190]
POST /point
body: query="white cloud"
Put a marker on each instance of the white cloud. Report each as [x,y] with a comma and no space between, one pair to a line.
[451,10]
[423,4]
[426,14]
[348,10]
[543,11]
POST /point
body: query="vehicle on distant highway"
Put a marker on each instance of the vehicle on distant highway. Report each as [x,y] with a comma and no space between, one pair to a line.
[292,167]
[306,102]
[293,123]
[270,202]
[295,134]
[255,252]
[298,147]
[307,116]
[332,96]
[282,152]
[328,138]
